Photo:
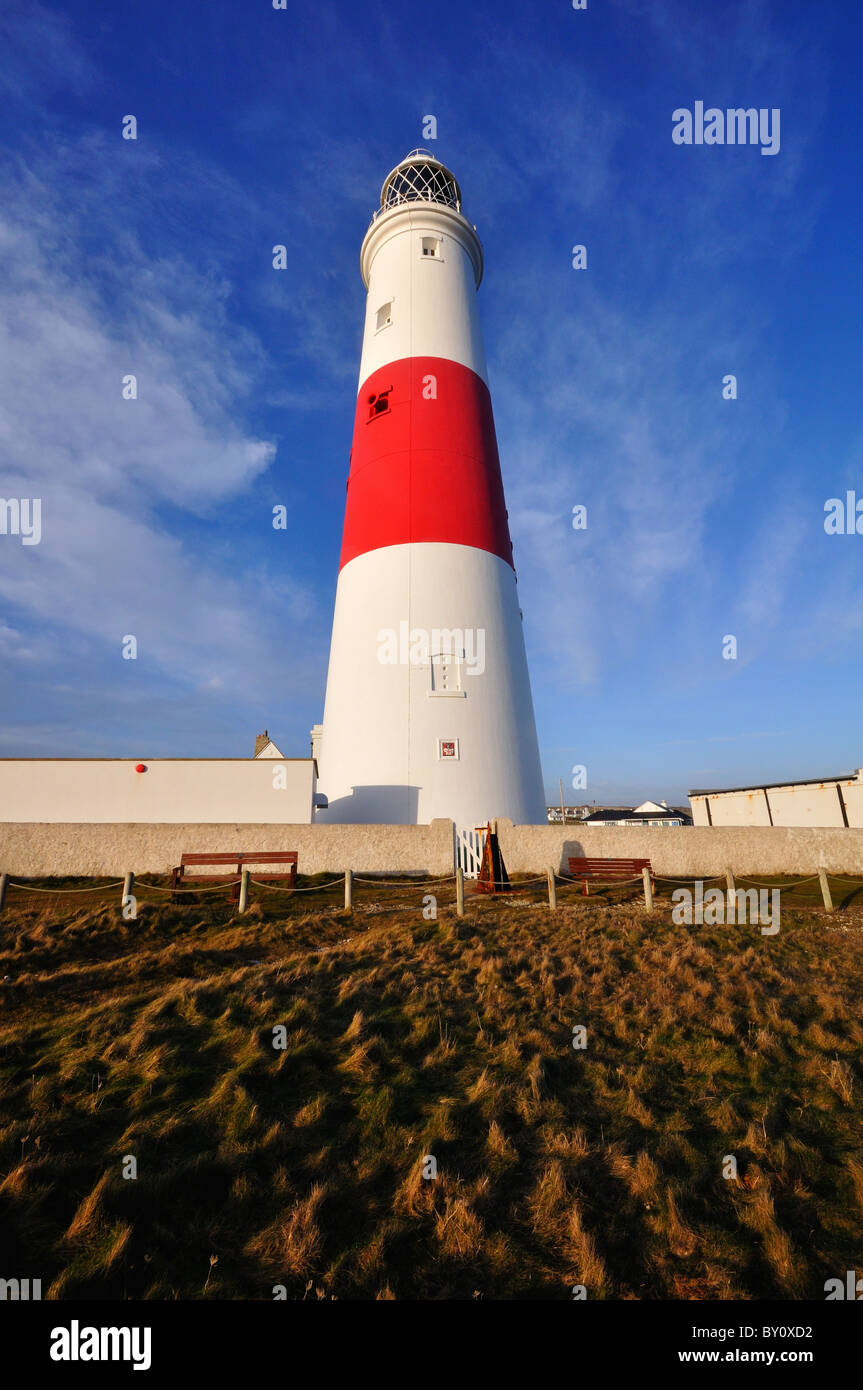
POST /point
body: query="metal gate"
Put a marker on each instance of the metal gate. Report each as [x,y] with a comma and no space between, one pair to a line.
[467,851]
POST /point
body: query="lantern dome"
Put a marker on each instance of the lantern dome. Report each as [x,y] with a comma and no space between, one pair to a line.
[420,178]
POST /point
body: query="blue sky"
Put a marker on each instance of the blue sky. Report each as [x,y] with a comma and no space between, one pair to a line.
[257,127]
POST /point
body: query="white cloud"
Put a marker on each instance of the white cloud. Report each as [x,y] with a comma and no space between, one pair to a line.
[119,478]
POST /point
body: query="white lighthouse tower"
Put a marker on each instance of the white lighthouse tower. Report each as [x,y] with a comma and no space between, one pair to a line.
[428,707]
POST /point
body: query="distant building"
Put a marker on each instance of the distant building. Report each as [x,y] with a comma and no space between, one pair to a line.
[818,801]
[265,748]
[648,813]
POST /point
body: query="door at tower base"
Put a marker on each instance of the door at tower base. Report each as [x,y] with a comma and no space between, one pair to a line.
[429,709]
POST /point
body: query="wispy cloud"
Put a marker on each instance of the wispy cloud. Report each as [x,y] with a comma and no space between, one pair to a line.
[83,304]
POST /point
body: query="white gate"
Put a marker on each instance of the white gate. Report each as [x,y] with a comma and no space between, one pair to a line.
[468,851]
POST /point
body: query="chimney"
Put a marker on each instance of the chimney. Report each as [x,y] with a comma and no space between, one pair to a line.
[261,741]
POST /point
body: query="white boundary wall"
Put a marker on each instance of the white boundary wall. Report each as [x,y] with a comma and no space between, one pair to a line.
[686,850]
[185,790]
[42,850]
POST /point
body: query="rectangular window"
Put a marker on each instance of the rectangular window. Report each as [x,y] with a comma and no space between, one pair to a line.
[379,403]
[431,247]
[447,748]
[385,316]
[446,674]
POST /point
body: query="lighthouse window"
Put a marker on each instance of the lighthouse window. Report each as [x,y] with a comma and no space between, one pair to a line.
[385,316]
[379,402]
[446,674]
[431,247]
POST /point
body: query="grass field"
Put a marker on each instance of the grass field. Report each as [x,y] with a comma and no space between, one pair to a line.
[405,1038]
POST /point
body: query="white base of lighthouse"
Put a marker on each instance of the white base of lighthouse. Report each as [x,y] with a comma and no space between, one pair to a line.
[428,709]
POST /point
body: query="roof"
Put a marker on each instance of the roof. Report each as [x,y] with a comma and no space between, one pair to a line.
[769,786]
[623,814]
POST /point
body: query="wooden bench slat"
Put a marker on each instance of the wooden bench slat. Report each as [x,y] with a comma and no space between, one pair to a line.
[590,866]
[263,857]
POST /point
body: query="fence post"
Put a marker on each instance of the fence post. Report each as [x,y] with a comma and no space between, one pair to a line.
[730,896]
[128,884]
[244,890]
[349,891]
[4,879]
[552,889]
[459,891]
[648,889]
[825,890]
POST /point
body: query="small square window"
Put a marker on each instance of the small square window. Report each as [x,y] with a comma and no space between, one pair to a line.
[379,402]
[447,748]
[431,247]
[385,316]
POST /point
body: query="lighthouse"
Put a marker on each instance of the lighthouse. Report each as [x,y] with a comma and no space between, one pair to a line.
[428,706]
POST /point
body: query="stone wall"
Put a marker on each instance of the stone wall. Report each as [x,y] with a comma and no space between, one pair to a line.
[686,850]
[35,850]
[32,850]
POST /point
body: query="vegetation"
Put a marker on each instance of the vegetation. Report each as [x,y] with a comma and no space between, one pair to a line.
[405,1038]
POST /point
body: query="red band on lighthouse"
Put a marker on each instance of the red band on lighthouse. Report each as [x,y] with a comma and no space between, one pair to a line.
[424,463]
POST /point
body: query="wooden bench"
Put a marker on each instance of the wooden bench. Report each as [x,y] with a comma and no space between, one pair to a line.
[607,870]
[238,862]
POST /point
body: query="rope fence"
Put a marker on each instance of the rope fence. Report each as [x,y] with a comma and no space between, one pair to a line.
[510,892]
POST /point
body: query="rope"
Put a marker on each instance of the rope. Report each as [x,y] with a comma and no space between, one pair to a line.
[315,888]
[661,879]
[404,882]
[792,883]
[100,888]
[216,888]
[599,882]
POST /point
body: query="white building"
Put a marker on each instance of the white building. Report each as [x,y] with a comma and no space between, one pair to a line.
[651,813]
[824,801]
[265,789]
[428,707]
